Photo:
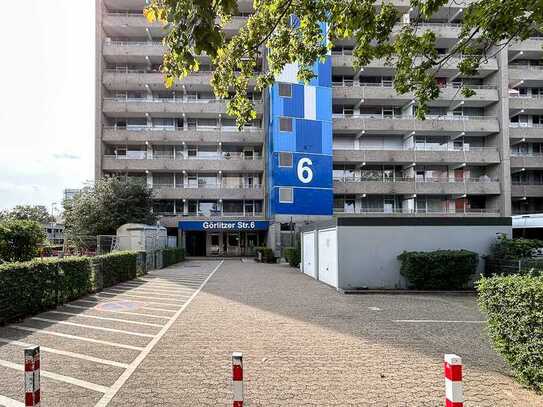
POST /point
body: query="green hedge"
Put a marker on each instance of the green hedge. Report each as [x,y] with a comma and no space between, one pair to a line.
[514,249]
[115,268]
[30,287]
[513,305]
[292,256]
[172,256]
[439,270]
[266,255]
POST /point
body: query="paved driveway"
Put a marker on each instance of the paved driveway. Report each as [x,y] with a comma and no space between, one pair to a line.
[303,344]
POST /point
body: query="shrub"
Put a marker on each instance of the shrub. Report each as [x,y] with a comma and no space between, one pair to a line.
[292,255]
[114,268]
[265,254]
[172,256]
[19,239]
[514,249]
[30,287]
[440,269]
[513,306]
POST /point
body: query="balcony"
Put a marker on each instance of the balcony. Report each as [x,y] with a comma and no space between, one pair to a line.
[533,103]
[527,161]
[526,190]
[532,75]
[250,136]
[410,212]
[531,132]
[482,125]
[133,52]
[235,163]
[473,156]
[172,219]
[410,186]
[380,94]
[168,107]
[344,64]
[137,79]
[216,191]
[532,47]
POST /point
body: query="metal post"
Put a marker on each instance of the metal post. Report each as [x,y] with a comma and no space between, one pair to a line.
[237,378]
[454,392]
[32,376]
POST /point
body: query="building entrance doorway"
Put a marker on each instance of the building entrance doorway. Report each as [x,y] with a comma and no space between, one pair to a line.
[196,243]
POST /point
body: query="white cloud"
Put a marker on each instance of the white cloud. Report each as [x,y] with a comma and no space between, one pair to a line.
[47,108]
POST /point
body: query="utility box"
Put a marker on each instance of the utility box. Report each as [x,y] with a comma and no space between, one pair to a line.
[140,237]
[362,253]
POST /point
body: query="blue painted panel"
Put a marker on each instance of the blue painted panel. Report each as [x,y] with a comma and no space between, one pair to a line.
[324,107]
[306,202]
[294,106]
[231,225]
[321,167]
[326,139]
[308,136]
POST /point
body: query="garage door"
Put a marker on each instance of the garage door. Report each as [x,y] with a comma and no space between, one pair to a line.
[328,257]
[309,266]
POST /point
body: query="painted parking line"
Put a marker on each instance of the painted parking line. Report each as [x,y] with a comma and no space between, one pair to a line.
[113,296]
[79,338]
[58,377]
[7,402]
[437,321]
[150,290]
[115,312]
[98,328]
[108,396]
[108,300]
[127,321]
[74,355]
[152,294]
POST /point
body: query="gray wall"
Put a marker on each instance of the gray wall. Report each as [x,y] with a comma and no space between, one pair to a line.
[368,254]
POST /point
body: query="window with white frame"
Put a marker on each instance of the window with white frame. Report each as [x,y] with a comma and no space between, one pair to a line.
[285,90]
[286,195]
[285,124]
[285,160]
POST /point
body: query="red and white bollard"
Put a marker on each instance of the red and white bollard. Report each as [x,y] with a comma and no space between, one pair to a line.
[32,376]
[237,378]
[454,392]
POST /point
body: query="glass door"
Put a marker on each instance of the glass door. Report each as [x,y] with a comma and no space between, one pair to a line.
[214,244]
[233,247]
[252,244]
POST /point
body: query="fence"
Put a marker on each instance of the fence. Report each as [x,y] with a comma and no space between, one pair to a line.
[497,266]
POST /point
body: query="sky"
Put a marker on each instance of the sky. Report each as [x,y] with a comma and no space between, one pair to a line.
[47,102]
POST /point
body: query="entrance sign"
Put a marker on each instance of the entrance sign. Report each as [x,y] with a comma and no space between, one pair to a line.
[223,225]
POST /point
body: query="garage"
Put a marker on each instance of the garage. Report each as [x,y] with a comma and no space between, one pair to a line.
[361,252]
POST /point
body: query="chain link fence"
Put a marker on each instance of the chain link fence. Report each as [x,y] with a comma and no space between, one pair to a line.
[498,266]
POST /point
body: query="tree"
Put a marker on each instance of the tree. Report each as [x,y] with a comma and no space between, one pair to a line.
[19,239]
[99,209]
[195,27]
[37,213]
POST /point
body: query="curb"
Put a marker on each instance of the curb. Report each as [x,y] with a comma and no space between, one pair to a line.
[406,291]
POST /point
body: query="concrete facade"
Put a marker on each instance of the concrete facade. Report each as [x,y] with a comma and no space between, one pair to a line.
[478,156]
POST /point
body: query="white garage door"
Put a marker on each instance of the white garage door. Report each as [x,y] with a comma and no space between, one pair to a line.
[328,257]
[309,264]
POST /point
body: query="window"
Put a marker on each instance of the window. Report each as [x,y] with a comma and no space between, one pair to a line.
[285,124]
[286,195]
[285,90]
[285,160]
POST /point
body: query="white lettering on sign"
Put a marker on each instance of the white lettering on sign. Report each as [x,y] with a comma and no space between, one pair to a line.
[305,173]
[229,225]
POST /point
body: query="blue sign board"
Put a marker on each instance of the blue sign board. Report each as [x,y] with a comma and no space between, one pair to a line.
[223,225]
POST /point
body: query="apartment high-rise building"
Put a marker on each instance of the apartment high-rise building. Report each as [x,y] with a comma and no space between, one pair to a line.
[344,144]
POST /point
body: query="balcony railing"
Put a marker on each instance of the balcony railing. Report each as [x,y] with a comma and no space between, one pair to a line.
[228,129]
[516,95]
[416,212]
[219,156]
[171,100]
[527,183]
[213,214]
[527,125]
[445,180]
[525,66]
[418,148]
[207,186]
[353,83]
[428,117]
[526,154]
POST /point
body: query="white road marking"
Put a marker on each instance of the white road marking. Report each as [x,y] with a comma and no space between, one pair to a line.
[116,312]
[55,376]
[142,302]
[111,296]
[127,321]
[439,321]
[79,338]
[155,294]
[151,287]
[99,328]
[374,308]
[7,402]
[66,353]
[106,398]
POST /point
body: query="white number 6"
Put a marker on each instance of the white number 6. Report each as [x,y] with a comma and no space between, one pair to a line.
[305,173]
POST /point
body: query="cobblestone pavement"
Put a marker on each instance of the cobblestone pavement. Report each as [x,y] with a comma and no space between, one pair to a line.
[304,344]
